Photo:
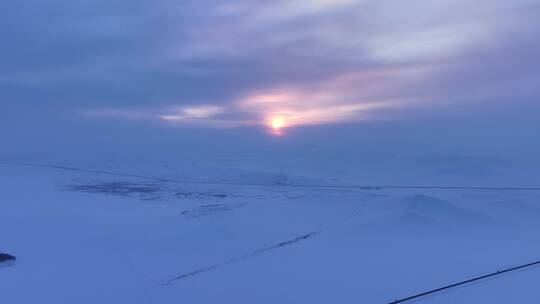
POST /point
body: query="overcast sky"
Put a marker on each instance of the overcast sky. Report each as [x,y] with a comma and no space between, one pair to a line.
[442,76]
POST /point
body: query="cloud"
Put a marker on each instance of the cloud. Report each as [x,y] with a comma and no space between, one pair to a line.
[347,98]
[182,114]
[234,63]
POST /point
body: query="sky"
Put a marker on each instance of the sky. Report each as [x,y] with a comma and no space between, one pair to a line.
[441,76]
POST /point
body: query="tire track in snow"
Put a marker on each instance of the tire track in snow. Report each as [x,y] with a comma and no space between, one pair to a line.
[243,257]
[263,250]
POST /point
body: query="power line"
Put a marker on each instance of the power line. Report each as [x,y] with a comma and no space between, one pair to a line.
[496,273]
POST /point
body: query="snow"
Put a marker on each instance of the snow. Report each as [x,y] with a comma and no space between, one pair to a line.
[223,231]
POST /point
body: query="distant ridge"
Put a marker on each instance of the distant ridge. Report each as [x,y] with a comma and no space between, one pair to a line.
[358,187]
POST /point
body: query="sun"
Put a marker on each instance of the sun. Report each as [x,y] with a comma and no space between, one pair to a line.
[277,123]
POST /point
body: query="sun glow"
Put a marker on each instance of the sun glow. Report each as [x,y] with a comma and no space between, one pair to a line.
[277,123]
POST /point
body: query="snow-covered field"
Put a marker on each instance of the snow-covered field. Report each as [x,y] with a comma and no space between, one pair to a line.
[224,232]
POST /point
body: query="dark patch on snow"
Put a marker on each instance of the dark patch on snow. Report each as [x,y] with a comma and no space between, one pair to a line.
[130,189]
[208,210]
[4,257]
[199,195]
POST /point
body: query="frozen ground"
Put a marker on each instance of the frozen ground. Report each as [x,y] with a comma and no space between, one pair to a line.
[211,231]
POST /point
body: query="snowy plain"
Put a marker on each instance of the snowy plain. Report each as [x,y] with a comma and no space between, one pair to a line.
[235,231]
